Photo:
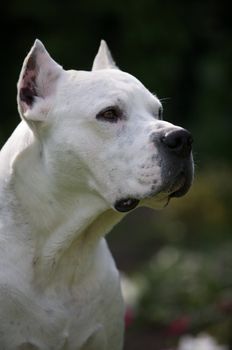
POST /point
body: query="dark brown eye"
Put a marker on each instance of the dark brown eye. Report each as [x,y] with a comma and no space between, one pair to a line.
[110,114]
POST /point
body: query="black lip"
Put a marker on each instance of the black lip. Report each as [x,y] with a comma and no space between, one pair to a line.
[185,184]
[126,204]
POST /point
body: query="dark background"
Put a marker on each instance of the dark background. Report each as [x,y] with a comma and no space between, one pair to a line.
[179,261]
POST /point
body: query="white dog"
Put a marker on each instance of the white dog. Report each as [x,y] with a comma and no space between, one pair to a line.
[91,146]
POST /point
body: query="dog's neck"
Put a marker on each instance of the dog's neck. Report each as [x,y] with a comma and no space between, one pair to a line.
[65,227]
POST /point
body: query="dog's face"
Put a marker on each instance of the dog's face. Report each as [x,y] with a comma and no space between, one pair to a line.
[103,131]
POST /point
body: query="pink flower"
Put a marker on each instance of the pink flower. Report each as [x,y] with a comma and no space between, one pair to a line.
[225,306]
[129,316]
[179,325]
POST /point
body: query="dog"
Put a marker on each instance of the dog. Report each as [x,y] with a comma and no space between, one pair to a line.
[91,147]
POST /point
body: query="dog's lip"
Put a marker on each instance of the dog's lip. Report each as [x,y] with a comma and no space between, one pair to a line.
[180,187]
[126,204]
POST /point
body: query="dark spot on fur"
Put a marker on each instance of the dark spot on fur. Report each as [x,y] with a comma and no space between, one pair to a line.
[35,261]
[153,188]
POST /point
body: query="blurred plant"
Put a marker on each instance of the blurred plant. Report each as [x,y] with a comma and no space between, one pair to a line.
[186,290]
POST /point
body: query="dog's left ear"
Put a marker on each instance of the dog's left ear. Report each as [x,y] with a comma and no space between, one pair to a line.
[103,59]
[37,82]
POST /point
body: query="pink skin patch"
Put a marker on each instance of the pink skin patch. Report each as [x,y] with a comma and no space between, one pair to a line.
[28,85]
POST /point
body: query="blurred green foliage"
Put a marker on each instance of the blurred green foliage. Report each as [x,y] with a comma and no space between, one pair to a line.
[182,51]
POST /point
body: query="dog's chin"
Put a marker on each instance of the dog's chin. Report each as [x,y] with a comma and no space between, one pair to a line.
[128,204]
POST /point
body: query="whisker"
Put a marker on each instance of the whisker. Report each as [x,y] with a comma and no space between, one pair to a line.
[165,99]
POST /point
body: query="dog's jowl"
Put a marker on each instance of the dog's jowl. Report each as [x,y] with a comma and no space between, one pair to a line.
[91,147]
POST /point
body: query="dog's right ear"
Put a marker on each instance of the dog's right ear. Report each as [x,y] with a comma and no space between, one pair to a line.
[103,59]
[37,81]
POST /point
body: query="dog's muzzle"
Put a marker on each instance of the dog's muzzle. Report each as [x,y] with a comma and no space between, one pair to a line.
[175,148]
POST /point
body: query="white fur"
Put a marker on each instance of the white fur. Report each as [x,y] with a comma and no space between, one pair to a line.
[61,172]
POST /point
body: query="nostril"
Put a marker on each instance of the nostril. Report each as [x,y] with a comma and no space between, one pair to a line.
[178,141]
[173,141]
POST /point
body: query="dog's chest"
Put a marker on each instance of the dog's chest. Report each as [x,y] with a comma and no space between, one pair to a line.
[46,325]
[61,316]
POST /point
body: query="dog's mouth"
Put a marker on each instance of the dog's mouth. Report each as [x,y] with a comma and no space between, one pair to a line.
[177,189]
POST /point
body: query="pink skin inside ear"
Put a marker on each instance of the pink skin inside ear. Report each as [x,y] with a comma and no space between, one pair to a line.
[27,88]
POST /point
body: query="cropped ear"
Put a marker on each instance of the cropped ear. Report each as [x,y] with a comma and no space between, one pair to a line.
[103,59]
[37,81]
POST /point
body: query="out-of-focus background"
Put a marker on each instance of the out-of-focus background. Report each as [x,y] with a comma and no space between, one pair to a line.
[176,263]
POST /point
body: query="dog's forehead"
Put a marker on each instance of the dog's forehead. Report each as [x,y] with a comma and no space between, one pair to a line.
[116,76]
[104,75]
[110,82]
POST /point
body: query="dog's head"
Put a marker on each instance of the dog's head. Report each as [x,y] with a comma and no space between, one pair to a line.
[102,131]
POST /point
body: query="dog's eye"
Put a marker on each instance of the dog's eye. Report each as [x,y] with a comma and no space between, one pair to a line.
[109,114]
[160,113]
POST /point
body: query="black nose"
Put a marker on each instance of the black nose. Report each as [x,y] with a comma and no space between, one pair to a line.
[178,141]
